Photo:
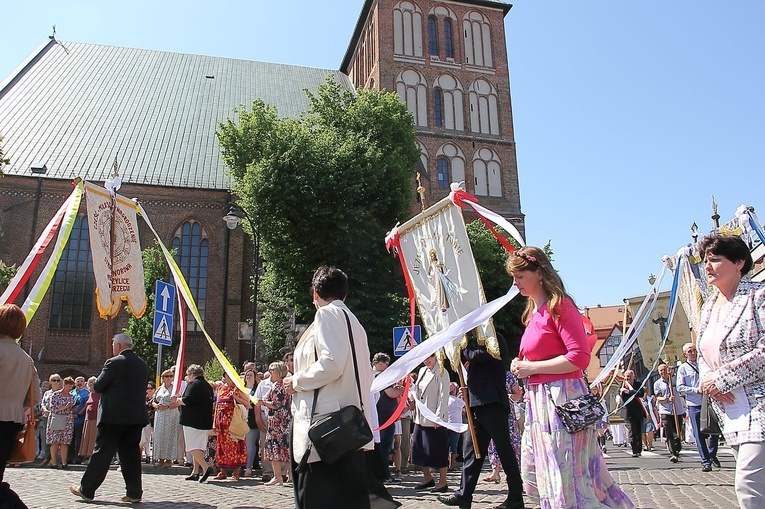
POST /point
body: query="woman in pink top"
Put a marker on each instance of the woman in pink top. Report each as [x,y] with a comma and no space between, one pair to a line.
[564,470]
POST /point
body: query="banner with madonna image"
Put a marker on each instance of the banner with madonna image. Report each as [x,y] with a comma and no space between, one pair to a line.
[439,264]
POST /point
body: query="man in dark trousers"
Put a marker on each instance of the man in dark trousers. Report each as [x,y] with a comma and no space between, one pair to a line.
[636,413]
[490,406]
[121,417]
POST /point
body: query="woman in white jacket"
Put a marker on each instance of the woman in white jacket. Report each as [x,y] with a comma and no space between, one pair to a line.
[324,362]
[430,440]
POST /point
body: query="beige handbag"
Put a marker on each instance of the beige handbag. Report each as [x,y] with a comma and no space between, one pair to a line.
[238,428]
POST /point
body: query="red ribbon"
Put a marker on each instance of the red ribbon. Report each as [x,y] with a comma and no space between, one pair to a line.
[400,408]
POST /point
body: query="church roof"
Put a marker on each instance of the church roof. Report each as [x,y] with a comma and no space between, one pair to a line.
[73,108]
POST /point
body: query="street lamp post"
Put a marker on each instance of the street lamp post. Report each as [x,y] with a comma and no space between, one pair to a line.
[232,219]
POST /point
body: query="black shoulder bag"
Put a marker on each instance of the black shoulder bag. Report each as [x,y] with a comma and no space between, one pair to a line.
[579,413]
[345,431]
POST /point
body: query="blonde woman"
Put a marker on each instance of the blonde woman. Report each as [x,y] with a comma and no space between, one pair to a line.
[167,425]
[277,445]
[562,469]
[59,436]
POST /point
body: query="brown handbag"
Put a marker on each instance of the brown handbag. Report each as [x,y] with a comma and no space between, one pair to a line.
[23,448]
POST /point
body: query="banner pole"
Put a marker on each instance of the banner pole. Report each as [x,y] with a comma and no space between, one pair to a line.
[469,413]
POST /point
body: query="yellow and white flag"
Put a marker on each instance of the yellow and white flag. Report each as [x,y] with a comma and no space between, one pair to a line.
[443,273]
[116,252]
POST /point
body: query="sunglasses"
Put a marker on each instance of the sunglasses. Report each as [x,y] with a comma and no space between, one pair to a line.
[55,379]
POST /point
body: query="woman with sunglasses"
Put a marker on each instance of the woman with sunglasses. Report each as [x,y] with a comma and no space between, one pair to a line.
[61,423]
[167,427]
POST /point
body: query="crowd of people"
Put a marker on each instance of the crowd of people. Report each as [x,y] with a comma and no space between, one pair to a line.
[513,406]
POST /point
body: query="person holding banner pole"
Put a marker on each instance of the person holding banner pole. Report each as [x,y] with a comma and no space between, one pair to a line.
[489,405]
[563,469]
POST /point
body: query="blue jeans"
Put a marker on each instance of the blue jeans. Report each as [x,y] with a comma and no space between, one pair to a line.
[386,446]
[706,451]
[251,439]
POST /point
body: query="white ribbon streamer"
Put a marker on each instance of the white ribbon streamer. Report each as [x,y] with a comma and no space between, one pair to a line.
[416,355]
[432,417]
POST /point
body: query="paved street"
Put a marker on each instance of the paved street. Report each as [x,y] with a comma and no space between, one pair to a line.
[651,481]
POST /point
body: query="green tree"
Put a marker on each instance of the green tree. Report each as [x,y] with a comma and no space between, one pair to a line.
[326,187]
[6,273]
[490,258]
[141,329]
[213,369]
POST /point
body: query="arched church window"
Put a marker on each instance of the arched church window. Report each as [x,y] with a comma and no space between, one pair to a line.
[412,89]
[74,281]
[433,35]
[487,173]
[407,29]
[451,98]
[442,167]
[456,163]
[448,38]
[484,112]
[191,254]
[477,39]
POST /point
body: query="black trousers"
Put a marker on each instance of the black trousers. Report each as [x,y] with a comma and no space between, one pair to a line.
[124,440]
[74,446]
[635,430]
[490,423]
[342,485]
[8,498]
[672,434]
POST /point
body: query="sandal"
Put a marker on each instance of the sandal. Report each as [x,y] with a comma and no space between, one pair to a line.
[221,476]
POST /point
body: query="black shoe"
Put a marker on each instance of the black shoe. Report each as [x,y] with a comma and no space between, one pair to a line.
[266,478]
[716,462]
[635,455]
[673,459]
[425,485]
[510,505]
[455,501]
[442,489]
[207,474]
[193,477]
[706,468]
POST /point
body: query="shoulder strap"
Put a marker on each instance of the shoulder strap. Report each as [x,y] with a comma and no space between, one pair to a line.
[355,369]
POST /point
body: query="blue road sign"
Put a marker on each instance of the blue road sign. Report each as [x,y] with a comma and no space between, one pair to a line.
[403,340]
[164,304]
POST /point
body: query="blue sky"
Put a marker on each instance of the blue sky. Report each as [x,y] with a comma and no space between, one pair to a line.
[628,116]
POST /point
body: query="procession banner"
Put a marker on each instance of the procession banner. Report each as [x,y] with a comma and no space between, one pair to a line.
[117,262]
[439,264]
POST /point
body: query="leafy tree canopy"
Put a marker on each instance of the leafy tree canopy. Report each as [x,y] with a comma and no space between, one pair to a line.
[490,258]
[326,187]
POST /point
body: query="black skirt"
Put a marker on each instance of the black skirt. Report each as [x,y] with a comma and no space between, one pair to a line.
[430,447]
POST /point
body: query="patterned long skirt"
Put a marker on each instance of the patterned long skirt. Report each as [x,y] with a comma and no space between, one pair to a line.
[565,471]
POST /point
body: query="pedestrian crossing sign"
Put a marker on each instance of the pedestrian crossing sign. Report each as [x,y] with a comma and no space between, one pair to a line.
[403,341]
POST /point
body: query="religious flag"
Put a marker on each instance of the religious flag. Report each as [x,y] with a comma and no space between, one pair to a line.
[440,268]
[117,262]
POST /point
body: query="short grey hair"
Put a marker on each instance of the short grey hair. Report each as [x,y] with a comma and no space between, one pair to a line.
[123,339]
[687,347]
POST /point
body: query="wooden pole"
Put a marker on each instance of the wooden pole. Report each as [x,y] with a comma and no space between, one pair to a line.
[471,425]
[674,408]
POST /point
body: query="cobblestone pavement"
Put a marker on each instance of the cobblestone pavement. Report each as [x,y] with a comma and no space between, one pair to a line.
[652,482]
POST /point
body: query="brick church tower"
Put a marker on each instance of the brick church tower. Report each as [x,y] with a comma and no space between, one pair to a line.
[448,62]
